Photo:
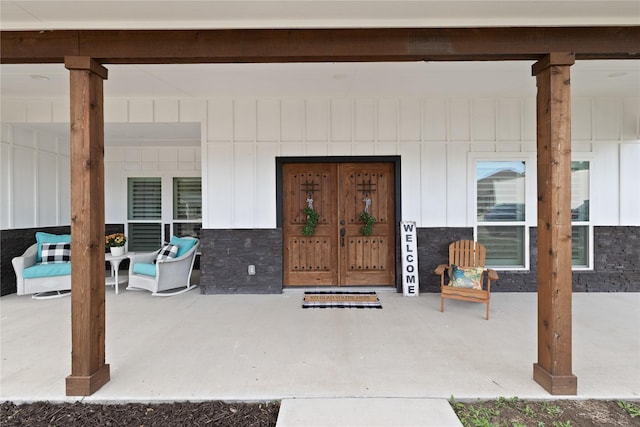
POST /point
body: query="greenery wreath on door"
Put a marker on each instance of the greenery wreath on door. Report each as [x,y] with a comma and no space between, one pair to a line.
[312,220]
[369,220]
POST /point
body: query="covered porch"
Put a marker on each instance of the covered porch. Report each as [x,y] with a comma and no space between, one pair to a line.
[84,55]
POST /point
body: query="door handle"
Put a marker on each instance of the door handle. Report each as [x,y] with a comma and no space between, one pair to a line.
[343,232]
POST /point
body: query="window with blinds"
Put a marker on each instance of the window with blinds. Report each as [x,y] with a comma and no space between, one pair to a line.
[187,198]
[580,221]
[187,206]
[145,198]
[144,237]
[144,212]
[500,211]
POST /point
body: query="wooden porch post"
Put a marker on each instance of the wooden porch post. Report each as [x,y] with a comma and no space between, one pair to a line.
[88,369]
[553,370]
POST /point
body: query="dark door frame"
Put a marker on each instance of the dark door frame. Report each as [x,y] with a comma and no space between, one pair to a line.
[397,196]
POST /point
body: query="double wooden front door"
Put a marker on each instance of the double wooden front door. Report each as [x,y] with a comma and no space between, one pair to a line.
[338,253]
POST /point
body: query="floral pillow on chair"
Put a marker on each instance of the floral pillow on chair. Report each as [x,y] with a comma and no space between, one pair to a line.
[466,277]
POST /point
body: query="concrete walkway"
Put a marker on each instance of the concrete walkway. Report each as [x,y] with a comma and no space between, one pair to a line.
[367,412]
[266,347]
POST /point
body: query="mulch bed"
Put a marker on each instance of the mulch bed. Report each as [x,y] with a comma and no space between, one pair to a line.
[139,414]
[499,413]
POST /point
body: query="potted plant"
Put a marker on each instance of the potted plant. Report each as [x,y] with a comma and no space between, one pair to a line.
[115,242]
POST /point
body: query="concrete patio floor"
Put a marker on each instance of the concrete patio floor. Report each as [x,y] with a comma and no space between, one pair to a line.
[266,347]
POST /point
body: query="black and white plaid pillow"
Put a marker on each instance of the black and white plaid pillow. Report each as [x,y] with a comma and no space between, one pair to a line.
[167,251]
[56,253]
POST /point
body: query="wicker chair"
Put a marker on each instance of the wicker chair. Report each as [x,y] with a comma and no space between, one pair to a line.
[168,276]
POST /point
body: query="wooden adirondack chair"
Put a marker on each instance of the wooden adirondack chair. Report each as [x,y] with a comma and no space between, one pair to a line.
[466,274]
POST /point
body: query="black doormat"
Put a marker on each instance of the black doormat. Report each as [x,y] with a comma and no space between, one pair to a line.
[339,299]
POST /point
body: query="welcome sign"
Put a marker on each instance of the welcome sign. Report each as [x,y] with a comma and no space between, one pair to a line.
[409,241]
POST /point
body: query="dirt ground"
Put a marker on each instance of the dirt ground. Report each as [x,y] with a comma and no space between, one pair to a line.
[501,412]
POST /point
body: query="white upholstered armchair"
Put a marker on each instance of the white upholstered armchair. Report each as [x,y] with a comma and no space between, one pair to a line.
[166,271]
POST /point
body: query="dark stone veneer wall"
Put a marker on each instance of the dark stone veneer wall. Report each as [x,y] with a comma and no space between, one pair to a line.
[616,261]
[226,254]
[14,242]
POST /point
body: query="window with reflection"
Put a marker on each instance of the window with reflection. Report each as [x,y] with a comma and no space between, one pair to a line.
[580,222]
[500,211]
[187,206]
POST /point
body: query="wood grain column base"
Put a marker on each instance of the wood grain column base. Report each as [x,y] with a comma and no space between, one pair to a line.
[86,386]
[555,384]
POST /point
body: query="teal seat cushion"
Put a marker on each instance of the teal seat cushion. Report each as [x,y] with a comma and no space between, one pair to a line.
[146,269]
[42,237]
[47,270]
[183,244]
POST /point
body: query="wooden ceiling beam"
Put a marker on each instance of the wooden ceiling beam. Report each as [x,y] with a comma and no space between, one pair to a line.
[319,45]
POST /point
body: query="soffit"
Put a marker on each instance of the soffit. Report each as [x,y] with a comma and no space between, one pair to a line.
[198,14]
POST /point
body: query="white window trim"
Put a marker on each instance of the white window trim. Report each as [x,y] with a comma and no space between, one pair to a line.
[586,157]
[191,221]
[590,253]
[166,179]
[531,212]
[530,195]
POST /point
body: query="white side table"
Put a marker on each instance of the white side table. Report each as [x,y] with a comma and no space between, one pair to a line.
[114,279]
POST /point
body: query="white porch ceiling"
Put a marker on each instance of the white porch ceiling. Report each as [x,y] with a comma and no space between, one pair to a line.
[436,79]
[439,79]
[388,79]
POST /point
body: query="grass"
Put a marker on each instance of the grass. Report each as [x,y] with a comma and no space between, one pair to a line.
[514,412]
[630,408]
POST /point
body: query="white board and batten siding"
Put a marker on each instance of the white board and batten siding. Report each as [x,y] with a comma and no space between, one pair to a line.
[241,138]
[434,138]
